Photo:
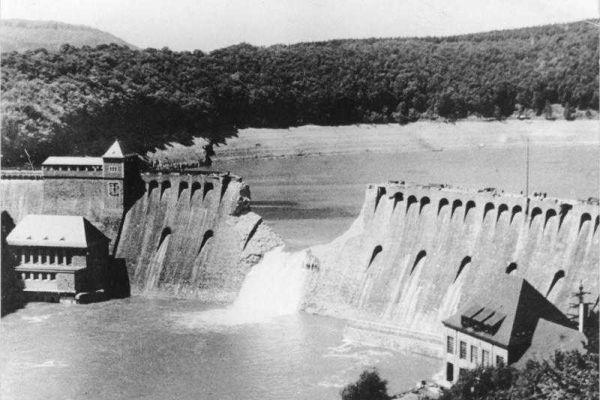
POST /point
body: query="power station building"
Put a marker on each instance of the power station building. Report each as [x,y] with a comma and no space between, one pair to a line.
[515,324]
[58,256]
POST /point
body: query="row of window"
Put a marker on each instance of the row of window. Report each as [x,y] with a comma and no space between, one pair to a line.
[75,168]
[45,276]
[111,168]
[474,355]
[54,258]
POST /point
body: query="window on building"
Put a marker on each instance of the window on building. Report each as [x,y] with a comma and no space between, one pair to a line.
[113,168]
[449,372]
[113,189]
[499,360]
[474,351]
[52,277]
[485,357]
[69,258]
[36,257]
[463,350]
[44,259]
[450,345]
[36,275]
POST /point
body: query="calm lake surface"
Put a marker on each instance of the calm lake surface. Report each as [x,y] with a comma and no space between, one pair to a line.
[161,349]
[141,348]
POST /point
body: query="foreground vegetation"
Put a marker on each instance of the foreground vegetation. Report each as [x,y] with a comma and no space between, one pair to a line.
[77,100]
[568,376]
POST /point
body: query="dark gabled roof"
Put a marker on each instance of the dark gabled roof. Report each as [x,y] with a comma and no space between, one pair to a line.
[550,337]
[509,316]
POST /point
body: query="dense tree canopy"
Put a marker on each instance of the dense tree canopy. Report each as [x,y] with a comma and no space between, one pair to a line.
[76,100]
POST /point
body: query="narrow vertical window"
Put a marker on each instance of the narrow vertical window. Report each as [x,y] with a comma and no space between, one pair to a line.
[450,345]
[485,358]
[463,350]
[499,360]
[474,351]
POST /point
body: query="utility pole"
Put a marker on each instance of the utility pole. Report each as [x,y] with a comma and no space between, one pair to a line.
[581,306]
[527,176]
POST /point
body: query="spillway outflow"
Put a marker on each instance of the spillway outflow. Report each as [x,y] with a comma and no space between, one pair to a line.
[273,287]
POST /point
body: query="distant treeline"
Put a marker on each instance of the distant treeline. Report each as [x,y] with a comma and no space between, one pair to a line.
[77,100]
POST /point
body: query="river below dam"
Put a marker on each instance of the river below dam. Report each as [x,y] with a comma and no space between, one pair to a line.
[142,348]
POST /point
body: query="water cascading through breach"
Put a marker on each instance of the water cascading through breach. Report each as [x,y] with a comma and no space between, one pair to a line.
[273,287]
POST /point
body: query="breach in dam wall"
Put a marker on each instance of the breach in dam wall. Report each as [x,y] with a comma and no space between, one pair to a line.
[193,236]
[418,253]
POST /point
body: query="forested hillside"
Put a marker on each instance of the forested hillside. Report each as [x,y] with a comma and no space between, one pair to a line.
[76,100]
[22,35]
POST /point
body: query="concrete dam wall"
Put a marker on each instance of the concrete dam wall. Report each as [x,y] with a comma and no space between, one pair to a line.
[182,235]
[192,235]
[418,253]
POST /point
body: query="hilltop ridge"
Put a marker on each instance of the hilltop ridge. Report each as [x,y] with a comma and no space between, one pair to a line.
[22,35]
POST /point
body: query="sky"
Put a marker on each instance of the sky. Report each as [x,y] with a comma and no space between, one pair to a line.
[211,24]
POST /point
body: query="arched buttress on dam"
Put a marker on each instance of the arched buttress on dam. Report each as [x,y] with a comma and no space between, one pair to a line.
[585,217]
[195,187]
[443,203]
[378,249]
[163,235]
[419,259]
[512,267]
[455,204]
[152,185]
[208,186]
[183,185]
[550,213]
[164,187]
[501,208]
[465,261]
[398,197]
[535,211]
[468,207]
[557,277]
[410,201]
[515,210]
[489,206]
[424,201]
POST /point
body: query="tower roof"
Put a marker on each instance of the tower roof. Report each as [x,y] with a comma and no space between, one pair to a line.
[115,151]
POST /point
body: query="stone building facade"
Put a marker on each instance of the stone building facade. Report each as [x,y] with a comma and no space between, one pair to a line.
[505,328]
[58,256]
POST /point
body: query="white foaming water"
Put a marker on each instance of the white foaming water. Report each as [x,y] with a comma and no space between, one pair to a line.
[273,287]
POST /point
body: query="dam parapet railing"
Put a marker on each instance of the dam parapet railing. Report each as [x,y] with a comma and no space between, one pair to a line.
[487,200]
[21,174]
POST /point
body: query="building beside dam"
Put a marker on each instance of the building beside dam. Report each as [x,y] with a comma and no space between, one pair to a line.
[58,256]
[500,329]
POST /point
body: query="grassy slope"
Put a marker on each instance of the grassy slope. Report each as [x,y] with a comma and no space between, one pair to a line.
[22,35]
